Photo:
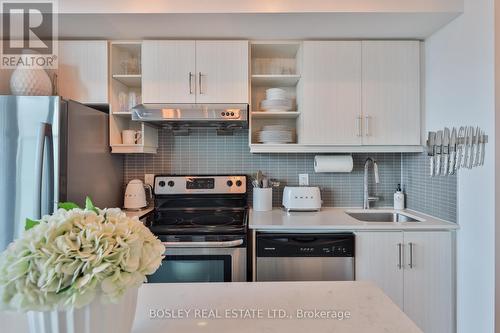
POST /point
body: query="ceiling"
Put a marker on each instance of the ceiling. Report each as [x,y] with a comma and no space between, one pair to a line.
[253,26]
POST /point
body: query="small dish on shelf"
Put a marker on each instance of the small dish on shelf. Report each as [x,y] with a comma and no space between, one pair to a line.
[275,134]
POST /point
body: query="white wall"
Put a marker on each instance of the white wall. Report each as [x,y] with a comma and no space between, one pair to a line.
[460,91]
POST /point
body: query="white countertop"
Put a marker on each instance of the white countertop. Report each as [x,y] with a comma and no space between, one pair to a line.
[336,219]
[139,213]
[252,304]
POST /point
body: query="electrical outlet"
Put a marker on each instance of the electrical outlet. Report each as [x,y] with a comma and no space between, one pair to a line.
[303,179]
[149,179]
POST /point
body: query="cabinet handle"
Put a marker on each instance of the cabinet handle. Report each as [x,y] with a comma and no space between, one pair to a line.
[358,126]
[190,83]
[199,83]
[411,255]
[367,125]
[400,256]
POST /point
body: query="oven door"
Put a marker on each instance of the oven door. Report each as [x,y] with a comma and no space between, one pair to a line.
[205,261]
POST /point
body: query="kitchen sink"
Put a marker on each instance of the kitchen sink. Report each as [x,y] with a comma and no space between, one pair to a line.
[381,217]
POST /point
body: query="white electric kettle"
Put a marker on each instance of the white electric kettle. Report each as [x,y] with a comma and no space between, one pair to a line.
[135,195]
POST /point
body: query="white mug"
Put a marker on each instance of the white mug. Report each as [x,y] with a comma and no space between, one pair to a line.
[131,137]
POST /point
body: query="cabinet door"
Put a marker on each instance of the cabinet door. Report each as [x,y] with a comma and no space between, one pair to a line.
[428,280]
[83,71]
[379,259]
[391,92]
[168,71]
[222,71]
[330,101]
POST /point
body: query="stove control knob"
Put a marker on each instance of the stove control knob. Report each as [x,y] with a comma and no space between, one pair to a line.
[171,183]
[229,183]
[161,183]
[238,183]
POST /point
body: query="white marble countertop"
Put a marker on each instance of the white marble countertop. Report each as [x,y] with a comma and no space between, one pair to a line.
[139,213]
[246,307]
[337,219]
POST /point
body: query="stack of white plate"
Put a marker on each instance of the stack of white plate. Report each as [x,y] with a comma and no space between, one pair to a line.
[275,134]
[276,101]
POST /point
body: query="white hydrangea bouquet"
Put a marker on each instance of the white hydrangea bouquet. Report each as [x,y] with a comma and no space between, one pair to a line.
[68,259]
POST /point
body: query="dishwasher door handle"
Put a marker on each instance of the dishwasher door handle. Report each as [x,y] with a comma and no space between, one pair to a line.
[225,244]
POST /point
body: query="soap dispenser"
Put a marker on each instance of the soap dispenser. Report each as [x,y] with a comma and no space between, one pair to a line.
[399,198]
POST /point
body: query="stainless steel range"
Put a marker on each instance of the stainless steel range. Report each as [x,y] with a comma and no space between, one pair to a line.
[202,221]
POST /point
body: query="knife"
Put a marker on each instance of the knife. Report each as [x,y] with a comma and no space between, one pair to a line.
[465,158]
[438,148]
[476,144]
[446,150]
[483,143]
[460,148]
[453,151]
[431,140]
[471,147]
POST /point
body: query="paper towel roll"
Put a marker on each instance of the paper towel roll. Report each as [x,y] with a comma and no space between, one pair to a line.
[333,163]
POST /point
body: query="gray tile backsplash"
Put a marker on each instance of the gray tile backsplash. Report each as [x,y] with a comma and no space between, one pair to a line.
[436,196]
[203,152]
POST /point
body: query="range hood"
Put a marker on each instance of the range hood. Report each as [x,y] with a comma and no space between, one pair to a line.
[179,118]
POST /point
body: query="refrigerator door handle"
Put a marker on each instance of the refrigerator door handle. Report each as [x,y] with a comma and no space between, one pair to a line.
[43,131]
[52,175]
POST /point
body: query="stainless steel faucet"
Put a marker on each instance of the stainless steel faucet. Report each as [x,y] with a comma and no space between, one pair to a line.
[366,197]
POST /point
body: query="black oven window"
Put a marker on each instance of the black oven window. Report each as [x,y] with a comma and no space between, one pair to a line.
[193,268]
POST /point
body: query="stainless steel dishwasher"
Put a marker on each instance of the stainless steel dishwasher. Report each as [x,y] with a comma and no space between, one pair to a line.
[305,257]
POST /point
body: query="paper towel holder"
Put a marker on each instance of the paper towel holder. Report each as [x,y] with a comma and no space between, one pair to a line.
[339,163]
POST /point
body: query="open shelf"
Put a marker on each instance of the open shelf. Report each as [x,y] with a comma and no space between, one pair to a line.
[126,82]
[300,148]
[274,49]
[129,80]
[128,149]
[275,80]
[266,114]
[122,113]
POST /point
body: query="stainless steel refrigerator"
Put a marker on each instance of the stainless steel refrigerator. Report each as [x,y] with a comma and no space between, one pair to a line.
[52,151]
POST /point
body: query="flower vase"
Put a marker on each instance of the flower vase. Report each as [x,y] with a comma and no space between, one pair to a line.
[30,82]
[95,317]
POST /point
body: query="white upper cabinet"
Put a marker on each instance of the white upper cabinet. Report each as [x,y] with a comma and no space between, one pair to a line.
[331,93]
[83,71]
[222,71]
[168,72]
[391,92]
[195,71]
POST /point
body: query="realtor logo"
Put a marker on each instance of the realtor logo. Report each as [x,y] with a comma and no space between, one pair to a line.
[29,34]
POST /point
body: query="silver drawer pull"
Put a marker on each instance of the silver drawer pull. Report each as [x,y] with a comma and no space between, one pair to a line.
[232,243]
[400,256]
[367,125]
[190,83]
[411,265]
[358,126]
[200,83]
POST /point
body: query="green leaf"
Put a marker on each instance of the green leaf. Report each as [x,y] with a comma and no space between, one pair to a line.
[89,205]
[67,205]
[30,224]
[63,289]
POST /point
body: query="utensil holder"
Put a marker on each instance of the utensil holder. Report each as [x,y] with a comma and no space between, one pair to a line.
[262,199]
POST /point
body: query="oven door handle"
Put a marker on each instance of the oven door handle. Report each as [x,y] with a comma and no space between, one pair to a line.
[232,243]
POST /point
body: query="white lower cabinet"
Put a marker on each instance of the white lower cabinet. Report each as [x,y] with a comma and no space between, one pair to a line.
[415,269]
